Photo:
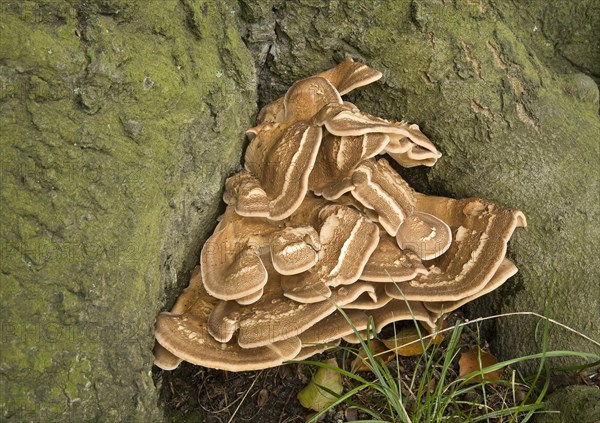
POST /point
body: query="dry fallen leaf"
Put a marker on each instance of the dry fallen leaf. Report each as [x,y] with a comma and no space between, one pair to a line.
[313,395]
[284,372]
[469,362]
[407,343]
[362,364]
[351,414]
[263,396]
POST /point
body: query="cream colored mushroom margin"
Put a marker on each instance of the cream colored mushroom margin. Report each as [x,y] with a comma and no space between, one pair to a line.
[316,222]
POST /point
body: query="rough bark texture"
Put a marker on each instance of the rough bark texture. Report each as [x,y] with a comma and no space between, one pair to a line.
[121,118]
[119,121]
[579,404]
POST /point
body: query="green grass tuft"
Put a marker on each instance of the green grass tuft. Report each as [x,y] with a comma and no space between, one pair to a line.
[433,392]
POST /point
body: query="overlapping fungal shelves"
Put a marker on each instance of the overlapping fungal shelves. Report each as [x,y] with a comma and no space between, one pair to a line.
[319,220]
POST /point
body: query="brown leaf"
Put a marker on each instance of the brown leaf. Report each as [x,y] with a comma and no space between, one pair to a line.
[362,363]
[263,396]
[284,372]
[469,362]
[407,343]
[351,414]
[432,385]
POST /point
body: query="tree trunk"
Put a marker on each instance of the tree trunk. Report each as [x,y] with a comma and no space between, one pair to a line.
[120,121]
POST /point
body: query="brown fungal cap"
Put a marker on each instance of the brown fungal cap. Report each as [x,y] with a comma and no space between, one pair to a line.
[275,317]
[308,350]
[481,231]
[244,192]
[370,300]
[413,150]
[506,269]
[295,250]
[232,268]
[425,234]
[230,262]
[287,349]
[396,311]
[389,263]
[347,240]
[348,121]
[348,75]
[306,97]
[282,160]
[164,359]
[250,298]
[378,187]
[338,157]
[336,325]
[193,344]
[186,336]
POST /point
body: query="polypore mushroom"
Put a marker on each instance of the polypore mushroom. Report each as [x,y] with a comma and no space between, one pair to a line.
[347,240]
[396,311]
[183,334]
[506,269]
[338,325]
[295,250]
[408,145]
[370,299]
[425,234]
[344,77]
[337,158]
[282,161]
[244,192]
[283,153]
[335,326]
[380,188]
[232,267]
[320,238]
[163,358]
[481,232]
[275,317]
[286,143]
[348,75]
[389,263]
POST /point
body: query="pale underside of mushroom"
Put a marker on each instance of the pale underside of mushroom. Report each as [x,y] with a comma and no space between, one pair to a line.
[322,240]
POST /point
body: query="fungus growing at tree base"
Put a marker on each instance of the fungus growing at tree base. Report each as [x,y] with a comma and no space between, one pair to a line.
[317,222]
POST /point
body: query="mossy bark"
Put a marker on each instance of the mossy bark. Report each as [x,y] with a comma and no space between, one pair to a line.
[508,95]
[119,122]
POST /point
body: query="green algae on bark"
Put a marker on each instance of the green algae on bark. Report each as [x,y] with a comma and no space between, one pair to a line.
[120,121]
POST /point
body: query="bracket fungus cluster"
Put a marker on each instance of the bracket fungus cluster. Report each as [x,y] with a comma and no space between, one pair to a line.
[317,221]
